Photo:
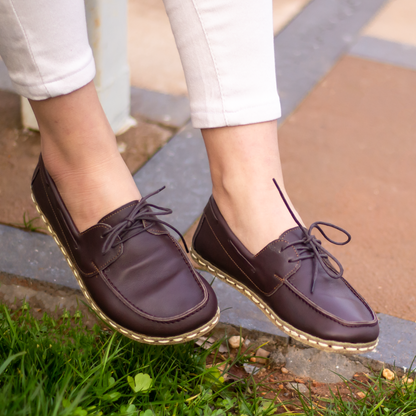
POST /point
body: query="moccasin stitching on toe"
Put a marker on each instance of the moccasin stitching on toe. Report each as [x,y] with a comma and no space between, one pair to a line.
[294,281]
[131,271]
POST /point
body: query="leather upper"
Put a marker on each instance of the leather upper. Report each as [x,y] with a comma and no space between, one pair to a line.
[144,281]
[333,310]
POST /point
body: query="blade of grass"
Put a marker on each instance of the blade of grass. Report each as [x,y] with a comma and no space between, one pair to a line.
[9,360]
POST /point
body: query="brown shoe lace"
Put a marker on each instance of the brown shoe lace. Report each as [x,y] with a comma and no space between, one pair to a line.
[310,247]
[135,222]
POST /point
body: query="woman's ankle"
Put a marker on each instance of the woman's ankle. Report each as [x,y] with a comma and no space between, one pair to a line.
[92,190]
[257,215]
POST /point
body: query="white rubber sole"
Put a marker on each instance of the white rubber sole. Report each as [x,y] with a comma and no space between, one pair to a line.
[178,339]
[321,344]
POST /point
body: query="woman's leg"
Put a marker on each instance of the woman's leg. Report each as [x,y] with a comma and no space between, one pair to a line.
[246,236]
[80,152]
[45,47]
[130,269]
[226,49]
[243,161]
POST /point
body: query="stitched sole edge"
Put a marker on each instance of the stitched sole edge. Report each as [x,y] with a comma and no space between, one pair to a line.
[305,338]
[178,339]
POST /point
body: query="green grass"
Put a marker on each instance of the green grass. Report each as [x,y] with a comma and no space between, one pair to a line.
[28,224]
[59,367]
[51,367]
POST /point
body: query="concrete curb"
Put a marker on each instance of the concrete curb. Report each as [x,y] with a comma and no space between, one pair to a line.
[168,110]
[34,256]
[384,51]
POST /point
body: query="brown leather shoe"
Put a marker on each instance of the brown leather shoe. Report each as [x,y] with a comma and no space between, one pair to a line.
[292,281]
[131,271]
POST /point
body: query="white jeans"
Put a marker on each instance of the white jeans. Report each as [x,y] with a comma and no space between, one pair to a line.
[226,48]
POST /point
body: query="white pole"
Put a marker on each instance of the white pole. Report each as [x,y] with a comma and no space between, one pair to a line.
[107,33]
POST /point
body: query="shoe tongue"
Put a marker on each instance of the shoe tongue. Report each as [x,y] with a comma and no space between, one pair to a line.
[293,234]
[119,214]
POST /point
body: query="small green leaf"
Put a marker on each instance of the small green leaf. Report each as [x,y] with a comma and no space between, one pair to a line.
[112,397]
[66,403]
[79,411]
[141,382]
[148,412]
[128,410]
[217,374]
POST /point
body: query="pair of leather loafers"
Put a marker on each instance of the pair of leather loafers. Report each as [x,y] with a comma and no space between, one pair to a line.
[138,279]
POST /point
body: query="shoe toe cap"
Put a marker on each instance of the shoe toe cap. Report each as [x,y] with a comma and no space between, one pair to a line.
[317,321]
[132,319]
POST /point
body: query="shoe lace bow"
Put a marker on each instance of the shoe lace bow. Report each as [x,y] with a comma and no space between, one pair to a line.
[140,219]
[310,247]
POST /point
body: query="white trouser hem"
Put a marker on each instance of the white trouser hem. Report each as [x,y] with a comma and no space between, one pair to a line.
[44,45]
[227,52]
[62,86]
[258,114]
[226,48]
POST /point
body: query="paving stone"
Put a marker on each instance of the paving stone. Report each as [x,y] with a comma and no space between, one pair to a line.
[397,342]
[251,369]
[309,46]
[321,366]
[385,51]
[278,358]
[395,22]
[182,166]
[284,11]
[301,388]
[153,57]
[169,110]
[35,256]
